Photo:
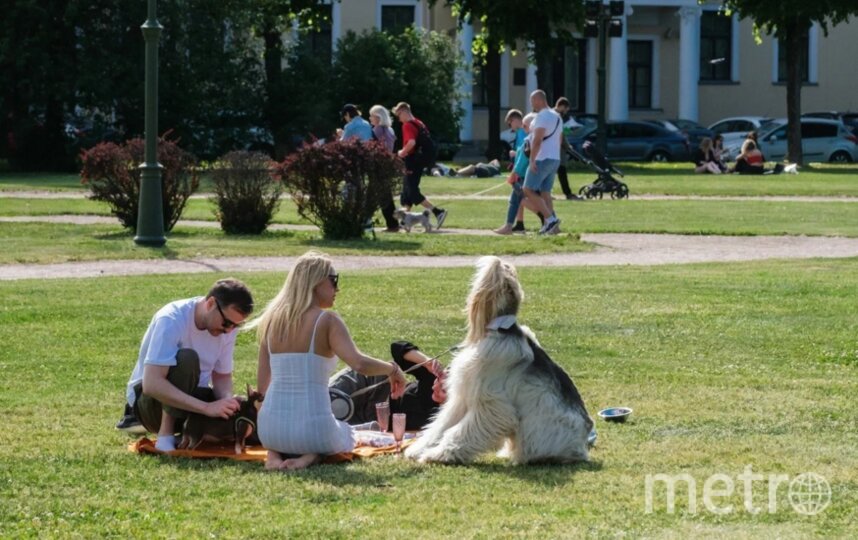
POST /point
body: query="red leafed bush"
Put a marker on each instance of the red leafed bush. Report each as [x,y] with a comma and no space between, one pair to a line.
[246,193]
[339,185]
[113,175]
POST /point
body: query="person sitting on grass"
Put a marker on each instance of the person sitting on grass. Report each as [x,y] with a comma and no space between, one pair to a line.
[421,399]
[705,160]
[188,345]
[299,342]
[751,161]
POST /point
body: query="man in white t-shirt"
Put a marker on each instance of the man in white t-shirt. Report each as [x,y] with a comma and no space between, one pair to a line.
[546,132]
[185,362]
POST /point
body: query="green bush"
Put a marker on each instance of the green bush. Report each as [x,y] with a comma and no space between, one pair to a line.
[339,185]
[246,194]
[113,174]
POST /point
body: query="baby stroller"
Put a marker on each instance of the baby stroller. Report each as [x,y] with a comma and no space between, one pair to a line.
[605,183]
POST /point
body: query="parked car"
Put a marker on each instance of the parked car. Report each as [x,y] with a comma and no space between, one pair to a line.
[694,131]
[821,140]
[850,119]
[636,141]
[734,129]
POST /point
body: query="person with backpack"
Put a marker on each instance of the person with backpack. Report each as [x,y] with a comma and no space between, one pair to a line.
[418,151]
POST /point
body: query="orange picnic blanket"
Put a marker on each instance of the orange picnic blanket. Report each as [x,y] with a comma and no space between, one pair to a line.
[256,453]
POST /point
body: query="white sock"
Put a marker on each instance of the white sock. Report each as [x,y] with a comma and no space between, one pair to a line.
[166,443]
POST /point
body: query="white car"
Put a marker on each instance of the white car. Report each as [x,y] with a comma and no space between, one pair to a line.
[735,129]
[821,141]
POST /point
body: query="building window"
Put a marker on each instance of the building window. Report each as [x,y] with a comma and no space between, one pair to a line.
[716,37]
[640,74]
[395,19]
[804,58]
[319,41]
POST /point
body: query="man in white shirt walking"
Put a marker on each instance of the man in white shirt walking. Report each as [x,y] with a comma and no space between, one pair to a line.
[546,132]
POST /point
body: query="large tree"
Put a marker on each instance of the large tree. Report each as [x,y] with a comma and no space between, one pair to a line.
[789,20]
[504,24]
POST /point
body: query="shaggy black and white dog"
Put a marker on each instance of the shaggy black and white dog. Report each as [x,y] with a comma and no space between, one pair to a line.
[503,391]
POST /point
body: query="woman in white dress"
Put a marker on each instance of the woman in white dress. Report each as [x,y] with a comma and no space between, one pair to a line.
[299,342]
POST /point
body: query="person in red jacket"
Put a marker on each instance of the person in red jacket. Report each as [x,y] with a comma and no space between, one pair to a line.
[411,195]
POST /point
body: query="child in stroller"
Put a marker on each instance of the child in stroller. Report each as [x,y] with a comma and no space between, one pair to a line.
[605,183]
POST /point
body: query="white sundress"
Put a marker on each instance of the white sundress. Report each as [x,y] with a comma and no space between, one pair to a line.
[296,416]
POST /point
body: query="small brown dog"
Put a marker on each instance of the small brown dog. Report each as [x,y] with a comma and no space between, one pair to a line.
[240,427]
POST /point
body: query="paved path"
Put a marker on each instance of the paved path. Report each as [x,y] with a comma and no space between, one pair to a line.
[612,249]
[494,196]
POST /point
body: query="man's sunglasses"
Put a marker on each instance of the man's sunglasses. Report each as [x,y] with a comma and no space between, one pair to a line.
[227,324]
[335,280]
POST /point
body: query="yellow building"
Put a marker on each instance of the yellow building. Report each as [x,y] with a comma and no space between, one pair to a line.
[676,59]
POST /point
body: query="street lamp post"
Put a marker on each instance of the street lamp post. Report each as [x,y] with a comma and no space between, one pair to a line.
[602,21]
[150,213]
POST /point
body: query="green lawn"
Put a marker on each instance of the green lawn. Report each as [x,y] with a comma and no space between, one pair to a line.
[55,243]
[643,178]
[655,216]
[725,365]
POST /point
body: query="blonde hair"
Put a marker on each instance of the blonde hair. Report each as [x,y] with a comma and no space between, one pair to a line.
[528,118]
[284,313]
[748,145]
[705,144]
[495,291]
[382,114]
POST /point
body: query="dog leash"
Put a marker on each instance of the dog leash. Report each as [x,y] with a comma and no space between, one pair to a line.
[483,192]
[409,370]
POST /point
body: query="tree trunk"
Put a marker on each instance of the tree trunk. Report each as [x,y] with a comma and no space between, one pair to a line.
[492,67]
[793,44]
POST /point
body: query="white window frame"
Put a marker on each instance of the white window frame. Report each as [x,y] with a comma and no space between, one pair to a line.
[655,101]
[812,56]
[416,4]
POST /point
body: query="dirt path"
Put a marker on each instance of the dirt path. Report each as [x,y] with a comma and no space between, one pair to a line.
[612,249]
[498,195]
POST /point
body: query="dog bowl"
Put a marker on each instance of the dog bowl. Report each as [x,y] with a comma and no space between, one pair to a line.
[616,414]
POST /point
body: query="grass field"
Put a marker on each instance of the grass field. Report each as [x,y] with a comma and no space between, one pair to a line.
[54,243]
[726,365]
[656,216]
[642,178]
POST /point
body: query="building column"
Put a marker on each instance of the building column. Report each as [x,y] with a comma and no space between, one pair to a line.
[618,74]
[531,84]
[336,24]
[689,62]
[466,90]
[504,80]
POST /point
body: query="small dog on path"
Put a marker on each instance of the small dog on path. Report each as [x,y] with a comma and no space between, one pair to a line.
[410,219]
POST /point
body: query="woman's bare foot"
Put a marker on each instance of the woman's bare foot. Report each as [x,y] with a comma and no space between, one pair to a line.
[506,229]
[302,462]
[273,461]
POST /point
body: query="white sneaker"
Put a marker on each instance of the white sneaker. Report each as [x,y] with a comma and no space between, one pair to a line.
[549,225]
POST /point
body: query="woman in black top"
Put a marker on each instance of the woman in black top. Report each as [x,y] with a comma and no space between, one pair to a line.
[705,160]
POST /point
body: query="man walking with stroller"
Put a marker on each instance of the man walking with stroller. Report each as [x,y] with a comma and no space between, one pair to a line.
[546,132]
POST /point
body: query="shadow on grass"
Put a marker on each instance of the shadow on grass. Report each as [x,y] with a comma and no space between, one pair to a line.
[363,244]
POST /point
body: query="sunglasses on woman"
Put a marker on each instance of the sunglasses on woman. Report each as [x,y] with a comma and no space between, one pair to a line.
[335,280]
